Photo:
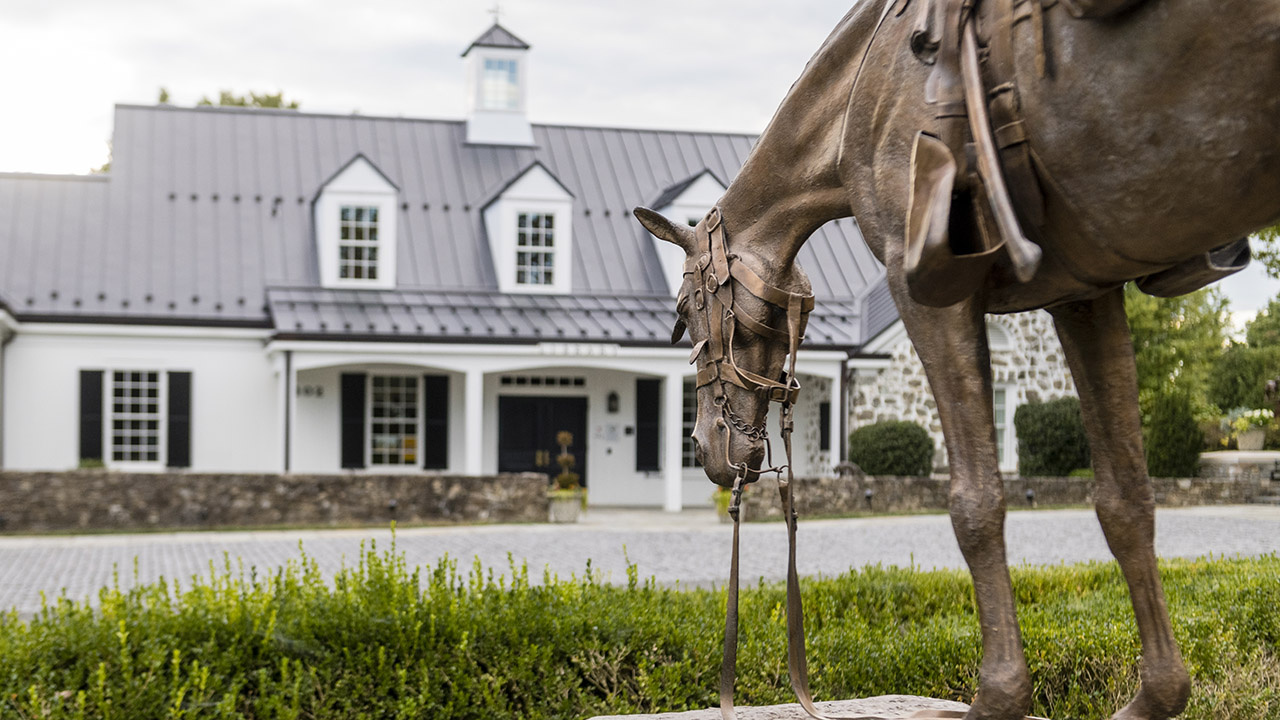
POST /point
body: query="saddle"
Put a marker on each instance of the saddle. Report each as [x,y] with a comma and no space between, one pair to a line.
[973,184]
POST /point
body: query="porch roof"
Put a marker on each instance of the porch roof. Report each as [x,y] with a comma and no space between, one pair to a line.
[426,315]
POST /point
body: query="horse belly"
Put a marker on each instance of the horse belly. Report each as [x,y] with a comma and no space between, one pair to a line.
[1157,136]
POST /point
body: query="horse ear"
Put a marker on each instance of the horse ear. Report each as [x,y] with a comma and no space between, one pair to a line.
[679,235]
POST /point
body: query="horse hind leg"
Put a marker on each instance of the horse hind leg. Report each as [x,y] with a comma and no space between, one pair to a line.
[1095,337]
[951,343]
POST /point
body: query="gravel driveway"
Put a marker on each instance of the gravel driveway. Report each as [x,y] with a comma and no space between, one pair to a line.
[690,548]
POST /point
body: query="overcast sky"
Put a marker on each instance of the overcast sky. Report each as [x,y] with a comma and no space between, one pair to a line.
[678,64]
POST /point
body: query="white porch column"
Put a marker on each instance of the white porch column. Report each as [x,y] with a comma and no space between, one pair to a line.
[673,436]
[837,409]
[473,437]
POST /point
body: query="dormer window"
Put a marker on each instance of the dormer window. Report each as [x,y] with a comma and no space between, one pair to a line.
[531,233]
[355,222]
[535,249]
[358,242]
[500,86]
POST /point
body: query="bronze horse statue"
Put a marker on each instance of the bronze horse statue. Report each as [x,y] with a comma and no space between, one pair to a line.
[1146,146]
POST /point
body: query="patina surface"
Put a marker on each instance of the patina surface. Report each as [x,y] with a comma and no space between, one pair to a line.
[1137,142]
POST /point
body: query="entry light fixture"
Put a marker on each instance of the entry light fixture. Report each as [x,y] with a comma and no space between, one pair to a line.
[612,402]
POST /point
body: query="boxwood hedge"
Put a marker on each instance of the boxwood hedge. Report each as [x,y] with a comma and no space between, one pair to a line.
[385,640]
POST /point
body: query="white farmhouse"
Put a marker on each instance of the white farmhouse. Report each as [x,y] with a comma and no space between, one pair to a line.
[277,291]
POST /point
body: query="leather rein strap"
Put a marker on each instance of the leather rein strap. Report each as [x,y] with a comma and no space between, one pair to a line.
[712,269]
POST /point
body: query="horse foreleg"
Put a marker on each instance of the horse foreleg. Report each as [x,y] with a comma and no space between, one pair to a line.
[952,345]
[1095,337]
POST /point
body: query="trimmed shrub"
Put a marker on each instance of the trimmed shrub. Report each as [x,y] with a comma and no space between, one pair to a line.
[1173,437]
[1051,438]
[383,639]
[892,447]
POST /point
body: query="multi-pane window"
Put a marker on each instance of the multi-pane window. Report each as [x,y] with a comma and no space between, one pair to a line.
[688,416]
[535,249]
[499,87]
[394,420]
[135,416]
[358,243]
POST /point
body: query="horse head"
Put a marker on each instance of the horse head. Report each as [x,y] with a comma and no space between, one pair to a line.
[743,329]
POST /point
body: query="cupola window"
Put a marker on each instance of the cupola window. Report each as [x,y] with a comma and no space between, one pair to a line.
[500,86]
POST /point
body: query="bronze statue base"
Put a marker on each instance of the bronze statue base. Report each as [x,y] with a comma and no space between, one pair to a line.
[885,707]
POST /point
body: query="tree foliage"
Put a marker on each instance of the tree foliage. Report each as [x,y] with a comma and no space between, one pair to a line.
[1177,341]
[1266,249]
[227,98]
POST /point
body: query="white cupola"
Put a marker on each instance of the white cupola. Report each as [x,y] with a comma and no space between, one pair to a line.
[497,83]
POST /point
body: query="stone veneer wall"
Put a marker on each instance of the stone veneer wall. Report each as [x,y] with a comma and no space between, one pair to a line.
[816,497]
[100,500]
[1030,364]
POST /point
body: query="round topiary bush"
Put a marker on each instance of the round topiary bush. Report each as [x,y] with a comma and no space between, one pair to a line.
[892,447]
[1051,439]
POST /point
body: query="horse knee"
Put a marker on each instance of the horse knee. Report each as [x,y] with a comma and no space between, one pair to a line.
[977,514]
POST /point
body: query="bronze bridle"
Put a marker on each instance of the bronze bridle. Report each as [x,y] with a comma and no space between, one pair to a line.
[712,269]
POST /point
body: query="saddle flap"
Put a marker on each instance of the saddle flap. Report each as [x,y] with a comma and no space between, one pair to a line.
[1201,270]
[942,270]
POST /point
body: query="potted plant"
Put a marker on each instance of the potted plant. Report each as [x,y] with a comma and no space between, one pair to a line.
[1248,427]
[567,499]
[722,497]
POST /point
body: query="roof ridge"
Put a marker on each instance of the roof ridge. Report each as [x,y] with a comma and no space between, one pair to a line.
[237,110]
[22,175]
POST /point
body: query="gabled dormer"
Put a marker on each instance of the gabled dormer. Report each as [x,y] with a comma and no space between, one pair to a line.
[497,84]
[685,202]
[355,227]
[529,223]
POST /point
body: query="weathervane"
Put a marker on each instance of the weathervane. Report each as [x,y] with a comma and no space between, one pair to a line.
[496,12]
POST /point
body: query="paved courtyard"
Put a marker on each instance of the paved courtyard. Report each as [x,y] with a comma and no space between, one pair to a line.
[689,548]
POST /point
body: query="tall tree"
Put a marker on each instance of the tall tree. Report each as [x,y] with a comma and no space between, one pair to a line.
[1177,340]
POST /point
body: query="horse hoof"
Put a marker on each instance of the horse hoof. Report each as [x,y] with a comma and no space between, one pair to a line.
[1006,698]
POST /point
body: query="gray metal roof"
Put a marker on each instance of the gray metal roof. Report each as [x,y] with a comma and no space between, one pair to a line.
[878,311]
[671,193]
[462,316]
[205,208]
[497,37]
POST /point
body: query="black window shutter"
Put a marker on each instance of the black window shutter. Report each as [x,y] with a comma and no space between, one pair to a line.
[179,455]
[91,414]
[824,426]
[353,393]
[648,417]
[435,422]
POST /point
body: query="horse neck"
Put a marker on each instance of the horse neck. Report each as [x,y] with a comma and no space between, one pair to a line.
[789,185]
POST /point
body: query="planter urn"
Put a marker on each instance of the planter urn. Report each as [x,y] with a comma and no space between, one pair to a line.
[563,507]
[1251,439]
